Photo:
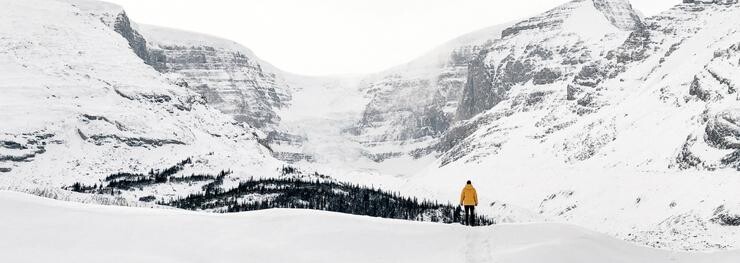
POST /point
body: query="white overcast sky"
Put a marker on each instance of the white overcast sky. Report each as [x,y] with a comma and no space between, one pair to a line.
[322,37]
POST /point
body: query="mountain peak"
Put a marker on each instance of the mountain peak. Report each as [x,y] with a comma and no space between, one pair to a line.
[591,16]
[619,13]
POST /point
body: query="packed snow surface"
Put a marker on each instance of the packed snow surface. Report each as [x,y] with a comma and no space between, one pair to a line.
[44,230]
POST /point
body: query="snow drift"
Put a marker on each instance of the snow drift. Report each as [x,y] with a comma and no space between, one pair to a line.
[43,230]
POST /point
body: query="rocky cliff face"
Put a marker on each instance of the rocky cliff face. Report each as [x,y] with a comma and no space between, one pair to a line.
[122,25]
[226,74]
[550,70]
[545,49]
[717,145]
[415,103]
[553,85]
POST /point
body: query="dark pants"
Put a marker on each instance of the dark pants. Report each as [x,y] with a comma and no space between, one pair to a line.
[469,215]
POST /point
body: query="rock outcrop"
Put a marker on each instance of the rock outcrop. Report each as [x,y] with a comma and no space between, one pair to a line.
[226,74]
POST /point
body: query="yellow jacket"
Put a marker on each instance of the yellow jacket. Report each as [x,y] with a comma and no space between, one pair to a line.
[468,196]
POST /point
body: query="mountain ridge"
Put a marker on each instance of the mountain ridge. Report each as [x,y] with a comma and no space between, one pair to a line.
[553,118]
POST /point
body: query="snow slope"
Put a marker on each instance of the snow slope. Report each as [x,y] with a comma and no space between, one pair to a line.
[587,114]
[79,104]
[43,230]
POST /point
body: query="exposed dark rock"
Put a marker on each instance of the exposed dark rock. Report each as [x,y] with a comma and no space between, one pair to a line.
[126,96]
[590,75]
[619,13]
[535,98]
[95,118]
[573,91]
[137,43]
[529,24]
[587,100]
[724,217]
[100,139]
[546,76]
[277,137]
[82,135]
[379,157]
[157,98]
[24,157]
[274,138]
[686,159]
[732,160]
[726,83]
[17,158]
[536,51]
[293,157]
[479,93]
[635,48]
[87,118]
[210,95]
[134,142]
[513,71]
[12,145]
[26,146]
[695,89]
[723,130]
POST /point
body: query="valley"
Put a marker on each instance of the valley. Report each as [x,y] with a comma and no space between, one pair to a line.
[589,114]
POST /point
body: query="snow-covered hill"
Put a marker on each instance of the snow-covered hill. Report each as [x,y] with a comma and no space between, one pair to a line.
[42,230]
[79,104]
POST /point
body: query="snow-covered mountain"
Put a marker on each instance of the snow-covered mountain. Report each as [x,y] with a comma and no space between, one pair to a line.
[586,114]
[228,75]
[583,97]
[606,95]
[564,85]
[79,104]
[412,104]
[230,78]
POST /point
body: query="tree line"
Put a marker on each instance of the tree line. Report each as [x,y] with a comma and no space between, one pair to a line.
[257,194]
[293,189]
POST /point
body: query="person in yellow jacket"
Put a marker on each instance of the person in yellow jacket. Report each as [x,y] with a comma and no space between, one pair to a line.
[469,200]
